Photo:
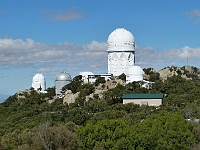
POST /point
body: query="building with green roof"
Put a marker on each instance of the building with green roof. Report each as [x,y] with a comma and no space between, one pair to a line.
[143,99]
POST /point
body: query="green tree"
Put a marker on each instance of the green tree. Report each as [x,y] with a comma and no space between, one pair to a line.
[74,85]
[148,71]
[113,96]
[99,80]
[163,131]
[47,137]
[103,134]
[122,77]
[154,77]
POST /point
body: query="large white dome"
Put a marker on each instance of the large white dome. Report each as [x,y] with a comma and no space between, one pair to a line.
[121,40]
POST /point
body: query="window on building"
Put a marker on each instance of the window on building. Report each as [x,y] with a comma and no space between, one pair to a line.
[144,102]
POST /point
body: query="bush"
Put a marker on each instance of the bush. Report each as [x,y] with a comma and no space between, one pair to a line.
[99,80]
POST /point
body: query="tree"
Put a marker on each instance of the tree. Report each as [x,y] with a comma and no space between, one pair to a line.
[154,77]
[11,140]
[114,95]
[148,71]
[122,77]
[99,80]
[47,137]
[74,85]
[78,116]
[103,134]
[163,131]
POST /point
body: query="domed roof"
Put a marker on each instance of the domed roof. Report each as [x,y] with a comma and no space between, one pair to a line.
[63,76]
[134,70]
[121,40]
[85,74]
[38,78]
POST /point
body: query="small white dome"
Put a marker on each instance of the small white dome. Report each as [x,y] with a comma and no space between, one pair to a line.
[135,70]
[63,76]
[121,40]
[134,73]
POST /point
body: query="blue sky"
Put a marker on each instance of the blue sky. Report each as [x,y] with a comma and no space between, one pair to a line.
[42,36]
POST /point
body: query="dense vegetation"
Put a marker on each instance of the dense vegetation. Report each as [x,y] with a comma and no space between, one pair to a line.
[29,121]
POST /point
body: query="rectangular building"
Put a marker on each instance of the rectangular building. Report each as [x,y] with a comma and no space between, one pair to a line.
[143,99]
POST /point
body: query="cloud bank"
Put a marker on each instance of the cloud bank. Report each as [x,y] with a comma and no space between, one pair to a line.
[45,57]
[86,57]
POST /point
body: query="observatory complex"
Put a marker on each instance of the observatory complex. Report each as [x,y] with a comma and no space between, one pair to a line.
[121,59]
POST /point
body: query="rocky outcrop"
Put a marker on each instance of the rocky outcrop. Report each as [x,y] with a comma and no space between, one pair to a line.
[187,72]
[70,97]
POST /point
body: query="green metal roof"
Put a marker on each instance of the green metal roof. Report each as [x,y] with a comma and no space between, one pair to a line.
[143,96]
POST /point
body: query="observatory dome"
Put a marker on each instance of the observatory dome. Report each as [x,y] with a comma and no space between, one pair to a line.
[61,80]
[38,77]
[63,76]
[134,73]
[38,81]
[121,40]
[136,70]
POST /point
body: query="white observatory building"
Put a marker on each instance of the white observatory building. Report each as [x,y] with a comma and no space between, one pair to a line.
[38,82]
[121,51]
[134,73]
[85,77]
[62,79]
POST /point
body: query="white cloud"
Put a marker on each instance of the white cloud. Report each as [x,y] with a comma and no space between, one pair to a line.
[195,14]
[86,57]
[67,16]
[19,53]
[158,59]
[63,15]
[49,69]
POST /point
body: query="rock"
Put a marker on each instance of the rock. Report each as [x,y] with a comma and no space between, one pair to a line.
[70,97]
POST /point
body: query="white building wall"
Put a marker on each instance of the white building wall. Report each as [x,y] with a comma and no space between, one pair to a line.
[85,77]
[59,85]
[150,102]
[132,78]
[119,61]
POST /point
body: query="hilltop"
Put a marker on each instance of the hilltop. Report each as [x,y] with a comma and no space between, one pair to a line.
[30,121]
[187,72]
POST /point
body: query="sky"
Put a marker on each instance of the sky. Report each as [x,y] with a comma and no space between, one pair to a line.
[52,36]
